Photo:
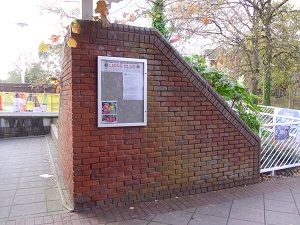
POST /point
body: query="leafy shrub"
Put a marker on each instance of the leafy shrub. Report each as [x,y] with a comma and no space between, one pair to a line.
[241,100]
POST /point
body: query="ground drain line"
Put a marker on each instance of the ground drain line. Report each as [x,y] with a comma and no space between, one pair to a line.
[64,202]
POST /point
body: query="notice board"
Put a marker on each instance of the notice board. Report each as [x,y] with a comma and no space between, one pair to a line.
[122,92]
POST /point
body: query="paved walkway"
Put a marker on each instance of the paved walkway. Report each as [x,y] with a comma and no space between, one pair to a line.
[270,203]
[27,198]
[25,188]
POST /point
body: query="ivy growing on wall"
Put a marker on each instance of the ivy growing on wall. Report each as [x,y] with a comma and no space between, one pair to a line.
[158,17]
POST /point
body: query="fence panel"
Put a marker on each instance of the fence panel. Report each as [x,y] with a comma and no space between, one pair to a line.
[280,142]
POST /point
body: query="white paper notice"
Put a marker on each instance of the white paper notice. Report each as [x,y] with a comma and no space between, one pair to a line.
[133,86]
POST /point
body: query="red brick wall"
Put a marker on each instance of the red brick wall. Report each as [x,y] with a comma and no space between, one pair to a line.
[65,136]
[193,141]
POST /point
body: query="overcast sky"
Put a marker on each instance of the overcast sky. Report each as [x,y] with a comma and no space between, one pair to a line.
[23,27]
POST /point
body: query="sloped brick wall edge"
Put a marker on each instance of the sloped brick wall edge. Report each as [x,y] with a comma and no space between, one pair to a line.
[162,44]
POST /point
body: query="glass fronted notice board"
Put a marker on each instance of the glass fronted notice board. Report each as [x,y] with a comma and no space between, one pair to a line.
[122,92]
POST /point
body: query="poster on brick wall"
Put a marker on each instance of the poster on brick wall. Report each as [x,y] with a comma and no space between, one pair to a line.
[122,92]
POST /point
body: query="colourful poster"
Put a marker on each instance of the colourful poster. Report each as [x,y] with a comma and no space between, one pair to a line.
[29,102]
[109,111]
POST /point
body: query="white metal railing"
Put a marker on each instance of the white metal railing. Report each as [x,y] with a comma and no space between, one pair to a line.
[267,109]
[280,141]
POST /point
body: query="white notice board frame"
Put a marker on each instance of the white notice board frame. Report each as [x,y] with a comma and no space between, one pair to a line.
[99,99]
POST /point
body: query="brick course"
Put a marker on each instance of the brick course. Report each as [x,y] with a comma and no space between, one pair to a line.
[193,141]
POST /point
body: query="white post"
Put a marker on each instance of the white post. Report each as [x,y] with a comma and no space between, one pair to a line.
[87,9]
[273,173]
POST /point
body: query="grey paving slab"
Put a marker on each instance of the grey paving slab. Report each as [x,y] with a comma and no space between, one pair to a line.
[248,214]
[190,210]
[251,202]
[5,181]
[156,223]
[221,210]
[23,192]
[7,193]
[208,220]
[39,167]
[27,199]
[296,197]
[78,222]
[28,191]
[30,179]
[174,218]
[35,173]
[32,184]
[28,209]
[4,212]
[53,206]
[242,222]
[52,194]
[279,218]
[281,206]
[6,170]
[130,222]
[280,196]
[295,190]
[6,201]
[8,187]
[13,166]
[9,175]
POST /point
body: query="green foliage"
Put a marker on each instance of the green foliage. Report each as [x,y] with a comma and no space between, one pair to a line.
[158,17]
[13,77]
[51,60]
[233,91]
[35,74]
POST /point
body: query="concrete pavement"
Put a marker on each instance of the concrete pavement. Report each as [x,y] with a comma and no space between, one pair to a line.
[26,197]
[27,185]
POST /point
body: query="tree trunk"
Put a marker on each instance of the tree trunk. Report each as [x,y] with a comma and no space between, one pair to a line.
[292,91]
[255,73]
[268,58]
[268,70]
